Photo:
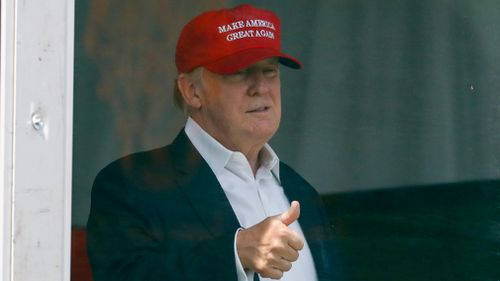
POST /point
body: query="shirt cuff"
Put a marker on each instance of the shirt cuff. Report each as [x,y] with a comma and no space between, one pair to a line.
[242,274]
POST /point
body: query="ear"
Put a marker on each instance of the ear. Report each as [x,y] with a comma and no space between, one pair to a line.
[188,91]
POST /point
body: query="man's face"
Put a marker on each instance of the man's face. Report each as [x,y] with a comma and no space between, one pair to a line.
[243,108]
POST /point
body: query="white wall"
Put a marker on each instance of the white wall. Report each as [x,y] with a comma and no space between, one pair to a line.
[35,164]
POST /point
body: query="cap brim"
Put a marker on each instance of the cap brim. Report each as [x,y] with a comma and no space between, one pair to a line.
[244,59]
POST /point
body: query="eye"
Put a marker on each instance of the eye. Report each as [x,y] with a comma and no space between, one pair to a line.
[271,71]
[237,76]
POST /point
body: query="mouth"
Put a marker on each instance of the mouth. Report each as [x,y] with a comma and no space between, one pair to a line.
[259,109]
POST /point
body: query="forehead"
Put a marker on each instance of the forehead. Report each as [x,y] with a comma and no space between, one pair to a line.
[269,62]
[264,62]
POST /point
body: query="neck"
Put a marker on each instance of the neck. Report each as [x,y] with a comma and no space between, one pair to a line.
[251,152]
[254,160]
[250,147]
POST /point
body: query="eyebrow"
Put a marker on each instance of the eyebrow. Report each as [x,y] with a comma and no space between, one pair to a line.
[263,63]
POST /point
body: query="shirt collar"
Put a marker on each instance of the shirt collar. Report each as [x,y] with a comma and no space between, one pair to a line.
[214,153]
[217,156]
[270,160]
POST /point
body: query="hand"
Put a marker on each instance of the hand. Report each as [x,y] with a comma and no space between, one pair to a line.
[270,247]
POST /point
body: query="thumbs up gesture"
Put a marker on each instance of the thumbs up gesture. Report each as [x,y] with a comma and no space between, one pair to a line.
[270,247]
[292,214]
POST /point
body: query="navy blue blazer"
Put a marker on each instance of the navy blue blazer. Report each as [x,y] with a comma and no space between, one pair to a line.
[162,215]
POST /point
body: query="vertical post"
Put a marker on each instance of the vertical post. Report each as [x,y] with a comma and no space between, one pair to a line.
[6,135]
[36,139]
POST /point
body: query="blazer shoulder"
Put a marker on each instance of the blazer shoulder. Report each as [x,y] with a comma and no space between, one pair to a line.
[153,170]
[140,160]
[146,170]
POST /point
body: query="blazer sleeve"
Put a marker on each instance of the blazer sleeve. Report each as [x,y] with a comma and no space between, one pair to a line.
[130,235]
[121,246]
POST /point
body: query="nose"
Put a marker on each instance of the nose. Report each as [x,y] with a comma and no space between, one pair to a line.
[259,84]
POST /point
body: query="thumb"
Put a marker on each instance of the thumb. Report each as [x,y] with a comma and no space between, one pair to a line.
[292,214]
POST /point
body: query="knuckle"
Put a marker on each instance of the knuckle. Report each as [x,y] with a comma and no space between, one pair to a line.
[260,266]
[283,232]
[276,244]
[275,223]
[278,249]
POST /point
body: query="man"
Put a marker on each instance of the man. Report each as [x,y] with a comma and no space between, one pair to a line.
[215,204]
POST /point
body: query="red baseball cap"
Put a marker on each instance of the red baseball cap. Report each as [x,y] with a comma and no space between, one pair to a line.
[228,40]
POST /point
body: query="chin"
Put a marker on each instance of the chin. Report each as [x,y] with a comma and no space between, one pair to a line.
[265,132]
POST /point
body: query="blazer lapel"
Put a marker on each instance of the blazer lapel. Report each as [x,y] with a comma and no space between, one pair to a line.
[202,188]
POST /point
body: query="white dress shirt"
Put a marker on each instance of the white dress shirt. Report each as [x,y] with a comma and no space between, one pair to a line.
[253,198]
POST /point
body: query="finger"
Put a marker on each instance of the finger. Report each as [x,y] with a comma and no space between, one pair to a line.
[281,264]
[292,214]
[272,273]
[295,241]
[289,254]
